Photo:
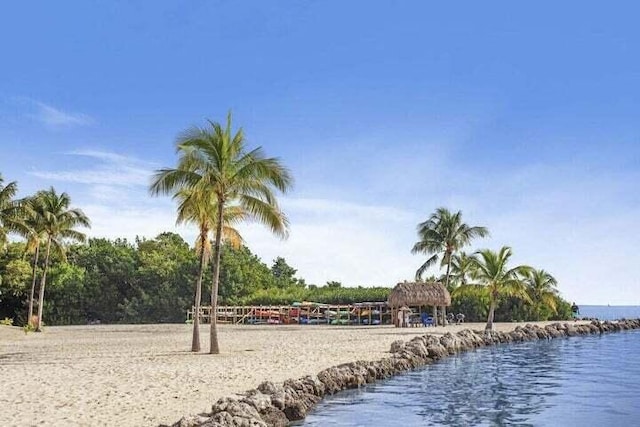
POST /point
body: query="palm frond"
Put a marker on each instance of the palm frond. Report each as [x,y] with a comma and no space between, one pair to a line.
[266,213]
[472,290]
[165,181]
[423,268]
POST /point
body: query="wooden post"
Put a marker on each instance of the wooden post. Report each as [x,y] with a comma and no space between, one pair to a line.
[435,315]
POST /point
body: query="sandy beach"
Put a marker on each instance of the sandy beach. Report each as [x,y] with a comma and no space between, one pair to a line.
[143,375]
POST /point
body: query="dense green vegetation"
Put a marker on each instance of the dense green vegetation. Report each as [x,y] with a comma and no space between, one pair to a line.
[149,281]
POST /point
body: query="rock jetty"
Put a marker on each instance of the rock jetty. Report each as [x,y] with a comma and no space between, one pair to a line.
[275,405]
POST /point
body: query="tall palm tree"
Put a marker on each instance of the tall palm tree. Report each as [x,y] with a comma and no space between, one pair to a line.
[541,287]
[58,222]
[215,160]
[495,280]
[200,208]
[442,235]
[10,210]
[34,221]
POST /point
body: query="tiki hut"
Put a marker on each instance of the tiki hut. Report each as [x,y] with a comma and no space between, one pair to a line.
[412,294]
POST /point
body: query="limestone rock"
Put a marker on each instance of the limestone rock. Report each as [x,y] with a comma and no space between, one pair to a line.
[397,346]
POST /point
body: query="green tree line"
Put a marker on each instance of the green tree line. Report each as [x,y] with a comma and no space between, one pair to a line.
[152,281]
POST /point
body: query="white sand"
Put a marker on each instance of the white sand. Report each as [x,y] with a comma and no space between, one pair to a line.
[143,375]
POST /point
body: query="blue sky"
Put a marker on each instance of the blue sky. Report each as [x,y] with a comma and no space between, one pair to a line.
[525,117]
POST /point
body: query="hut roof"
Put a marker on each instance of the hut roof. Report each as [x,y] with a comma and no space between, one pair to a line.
[413,294]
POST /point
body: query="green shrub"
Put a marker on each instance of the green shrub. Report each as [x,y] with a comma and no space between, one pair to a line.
[28,328]
[6,321]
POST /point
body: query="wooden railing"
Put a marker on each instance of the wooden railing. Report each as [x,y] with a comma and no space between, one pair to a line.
[373,313]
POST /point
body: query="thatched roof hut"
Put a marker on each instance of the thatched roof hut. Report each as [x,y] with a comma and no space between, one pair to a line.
[414,294]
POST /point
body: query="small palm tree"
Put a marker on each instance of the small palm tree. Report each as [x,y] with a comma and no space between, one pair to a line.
[58,223]
[494,280]
[216,161]
[442,235]
[541,287]
[200,208]
[462,269]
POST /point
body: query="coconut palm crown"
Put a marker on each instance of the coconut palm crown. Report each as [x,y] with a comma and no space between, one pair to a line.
[11,211]
[441,236]
[462,269]
[215,161]
[541,287]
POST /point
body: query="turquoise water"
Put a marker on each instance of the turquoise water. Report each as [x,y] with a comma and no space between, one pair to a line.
[613,312]
[579,381]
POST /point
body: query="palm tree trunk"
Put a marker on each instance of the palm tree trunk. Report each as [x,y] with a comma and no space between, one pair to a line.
[492,309]
[195,343]
[43,281]
[214,348]
[446,285]
[33,284]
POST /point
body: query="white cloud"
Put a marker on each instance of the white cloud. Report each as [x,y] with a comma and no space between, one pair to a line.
[343,241]
[57,118]
[568,220]
[105,168]
[53,117]
[121,220]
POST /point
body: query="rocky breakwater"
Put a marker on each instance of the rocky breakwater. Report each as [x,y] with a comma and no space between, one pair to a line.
[278,404]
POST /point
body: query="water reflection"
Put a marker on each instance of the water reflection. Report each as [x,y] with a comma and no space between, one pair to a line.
[576,381]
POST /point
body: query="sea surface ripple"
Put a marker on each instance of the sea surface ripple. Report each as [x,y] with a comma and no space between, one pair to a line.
[579,381]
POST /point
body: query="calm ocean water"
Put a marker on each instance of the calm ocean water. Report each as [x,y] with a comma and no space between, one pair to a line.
[613,312]
[580,381]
